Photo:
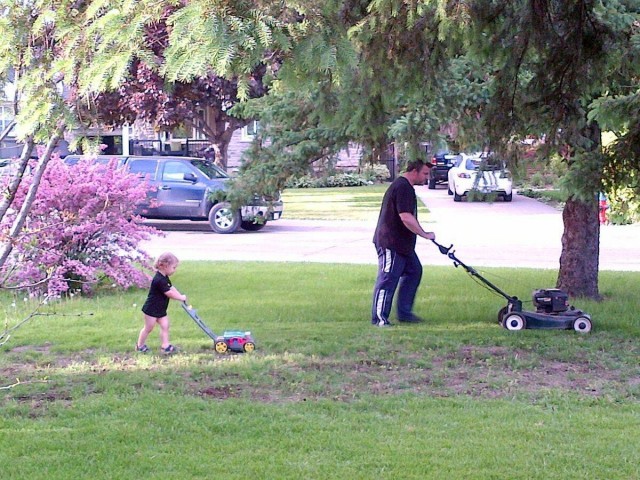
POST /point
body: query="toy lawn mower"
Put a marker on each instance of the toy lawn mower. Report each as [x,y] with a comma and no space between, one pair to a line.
[235,341]
[552,305]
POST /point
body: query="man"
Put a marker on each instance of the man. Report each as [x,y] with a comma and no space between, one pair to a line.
[395,241]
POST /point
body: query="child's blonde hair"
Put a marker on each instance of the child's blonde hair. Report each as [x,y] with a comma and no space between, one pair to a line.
[167,259]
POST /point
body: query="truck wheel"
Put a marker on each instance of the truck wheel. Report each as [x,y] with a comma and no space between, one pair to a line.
[224,219]
[508,198]
[456,197]
[514,322]
[252,227]
[582,325]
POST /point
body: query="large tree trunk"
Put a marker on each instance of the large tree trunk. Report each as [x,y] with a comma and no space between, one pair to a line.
[218,128]
[578,275]
[221,147]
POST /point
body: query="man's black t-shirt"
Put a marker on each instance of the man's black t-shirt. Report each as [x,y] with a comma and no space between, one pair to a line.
[157,302]
[391,233]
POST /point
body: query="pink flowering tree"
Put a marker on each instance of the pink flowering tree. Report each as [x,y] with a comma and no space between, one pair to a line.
[81,229]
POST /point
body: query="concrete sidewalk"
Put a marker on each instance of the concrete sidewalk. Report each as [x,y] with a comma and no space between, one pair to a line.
[522,233]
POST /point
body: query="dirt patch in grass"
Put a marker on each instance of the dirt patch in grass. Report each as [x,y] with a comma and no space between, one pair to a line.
[44,348]
[475,371]
[480,372]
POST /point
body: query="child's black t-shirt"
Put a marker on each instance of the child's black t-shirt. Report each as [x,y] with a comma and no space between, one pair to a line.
[157,302]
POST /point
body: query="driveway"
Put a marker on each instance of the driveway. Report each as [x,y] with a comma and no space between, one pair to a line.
[522,233]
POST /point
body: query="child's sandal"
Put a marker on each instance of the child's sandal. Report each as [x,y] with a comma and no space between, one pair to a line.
[142,349]
[170,349]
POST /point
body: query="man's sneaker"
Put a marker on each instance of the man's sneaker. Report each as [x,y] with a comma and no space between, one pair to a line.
[169,350]
[382,323]
[142,349]
[412,319]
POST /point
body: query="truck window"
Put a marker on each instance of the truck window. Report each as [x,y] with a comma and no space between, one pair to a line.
[143,167]
[209,169]
[174,172]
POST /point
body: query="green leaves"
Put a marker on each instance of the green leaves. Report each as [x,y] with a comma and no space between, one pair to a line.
[227,41]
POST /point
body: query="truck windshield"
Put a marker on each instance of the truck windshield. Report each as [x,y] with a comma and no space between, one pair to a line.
[209,169]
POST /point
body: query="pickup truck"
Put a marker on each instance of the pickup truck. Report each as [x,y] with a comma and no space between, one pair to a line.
[441,164]
[184,188]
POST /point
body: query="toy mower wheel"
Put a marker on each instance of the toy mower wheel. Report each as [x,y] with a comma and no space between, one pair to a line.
[582,325]
[249,347]
[221,346]
[514,322]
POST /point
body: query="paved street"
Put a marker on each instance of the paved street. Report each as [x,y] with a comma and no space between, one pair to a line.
[524,233]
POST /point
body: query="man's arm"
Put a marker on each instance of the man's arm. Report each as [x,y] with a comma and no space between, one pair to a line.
[412,224]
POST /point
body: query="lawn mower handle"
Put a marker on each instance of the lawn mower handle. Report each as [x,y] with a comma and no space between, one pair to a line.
[472,271]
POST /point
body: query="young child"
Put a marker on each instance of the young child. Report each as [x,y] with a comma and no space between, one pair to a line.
[155,307]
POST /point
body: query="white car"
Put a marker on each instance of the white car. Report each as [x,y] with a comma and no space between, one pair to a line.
[494,180]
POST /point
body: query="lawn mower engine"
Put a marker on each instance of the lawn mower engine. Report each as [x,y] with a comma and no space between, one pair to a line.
[550,301]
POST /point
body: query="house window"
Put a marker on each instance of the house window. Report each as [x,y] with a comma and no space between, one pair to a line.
[250,130]
[187,130]
[181,132]
[6,116]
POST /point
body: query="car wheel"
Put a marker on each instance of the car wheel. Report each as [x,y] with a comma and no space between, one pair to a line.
[508,198]
[250,226]
[456,197]
[223,218]
[449,191]
[432,183]
[514,322]
[582,325]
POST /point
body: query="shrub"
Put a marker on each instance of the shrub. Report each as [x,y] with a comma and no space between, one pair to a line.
[538,180]
[624,206]
[376,173]
[81,229]
[339,180]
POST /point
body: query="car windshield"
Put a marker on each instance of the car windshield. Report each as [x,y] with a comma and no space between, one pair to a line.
[487,164]
[209,169]
[473,164]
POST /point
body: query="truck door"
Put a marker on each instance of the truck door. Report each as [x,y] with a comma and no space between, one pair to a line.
[181,192]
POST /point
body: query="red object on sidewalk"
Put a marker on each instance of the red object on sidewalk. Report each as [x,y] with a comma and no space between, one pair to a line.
[603,206]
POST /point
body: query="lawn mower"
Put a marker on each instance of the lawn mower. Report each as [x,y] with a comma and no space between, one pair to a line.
[552,305]
[235,341]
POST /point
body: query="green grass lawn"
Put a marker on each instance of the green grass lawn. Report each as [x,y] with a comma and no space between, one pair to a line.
[350,203]
[325,394]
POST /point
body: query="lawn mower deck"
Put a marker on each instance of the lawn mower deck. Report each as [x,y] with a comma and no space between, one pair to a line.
[232,340]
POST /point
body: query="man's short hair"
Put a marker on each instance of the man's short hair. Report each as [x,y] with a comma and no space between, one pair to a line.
[417,165]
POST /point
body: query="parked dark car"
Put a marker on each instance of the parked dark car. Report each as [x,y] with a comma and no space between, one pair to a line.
[184,188]
[442,163]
